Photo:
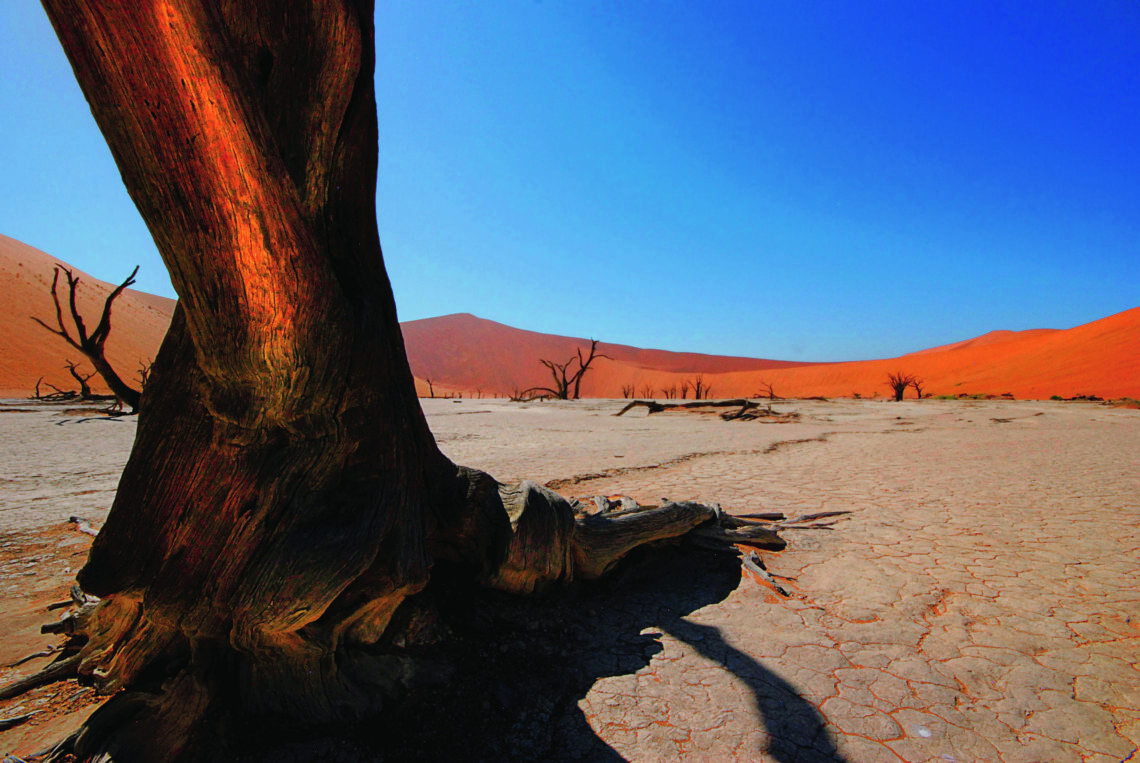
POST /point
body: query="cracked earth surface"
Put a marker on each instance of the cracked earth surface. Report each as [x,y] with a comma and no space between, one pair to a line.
[980,603]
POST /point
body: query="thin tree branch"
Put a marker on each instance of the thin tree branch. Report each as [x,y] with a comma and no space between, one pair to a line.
[80,327]
[99,336]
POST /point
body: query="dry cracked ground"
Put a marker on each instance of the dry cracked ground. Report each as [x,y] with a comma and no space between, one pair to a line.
[979,603]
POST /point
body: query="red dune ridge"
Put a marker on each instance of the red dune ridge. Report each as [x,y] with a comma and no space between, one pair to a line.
[464,354]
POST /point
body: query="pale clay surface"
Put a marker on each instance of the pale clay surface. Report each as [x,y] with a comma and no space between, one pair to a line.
[982,602]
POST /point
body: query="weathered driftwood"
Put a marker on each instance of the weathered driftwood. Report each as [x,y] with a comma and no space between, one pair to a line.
[755,565]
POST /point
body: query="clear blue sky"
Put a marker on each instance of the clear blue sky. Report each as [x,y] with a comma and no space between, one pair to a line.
[794,180]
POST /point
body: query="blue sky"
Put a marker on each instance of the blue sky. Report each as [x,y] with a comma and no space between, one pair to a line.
[804,181]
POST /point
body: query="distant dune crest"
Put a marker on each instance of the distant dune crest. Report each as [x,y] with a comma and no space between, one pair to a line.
[464,354]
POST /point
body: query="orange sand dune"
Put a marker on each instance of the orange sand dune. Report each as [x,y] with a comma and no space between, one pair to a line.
[469,355]
[994,337]
[1100,358]
[464,353]
[28,351]
[461,353]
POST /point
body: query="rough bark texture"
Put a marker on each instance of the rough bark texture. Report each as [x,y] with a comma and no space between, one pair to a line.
[284,497]
[276,499]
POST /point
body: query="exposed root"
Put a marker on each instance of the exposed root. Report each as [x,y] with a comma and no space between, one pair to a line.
[62,668]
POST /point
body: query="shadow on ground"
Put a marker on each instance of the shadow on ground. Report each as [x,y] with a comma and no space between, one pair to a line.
[522,665]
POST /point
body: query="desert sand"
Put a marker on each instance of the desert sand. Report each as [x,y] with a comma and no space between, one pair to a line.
[979,603]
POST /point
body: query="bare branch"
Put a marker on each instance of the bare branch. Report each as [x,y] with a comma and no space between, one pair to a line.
[104,328]
[62,330]
[73,287]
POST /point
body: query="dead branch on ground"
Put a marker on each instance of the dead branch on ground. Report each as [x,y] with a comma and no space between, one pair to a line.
[746,410]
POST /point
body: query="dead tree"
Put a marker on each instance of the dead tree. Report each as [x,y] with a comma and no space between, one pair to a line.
[567,378]
[647,390]
[917,384]
[898,382]
[627,390]
[584,365]
[431,389]
[285,505]
[685,387]
[91,345]
[670,392]
[767,391]
[84,387]
[700,390]
[144,373]
[58,394]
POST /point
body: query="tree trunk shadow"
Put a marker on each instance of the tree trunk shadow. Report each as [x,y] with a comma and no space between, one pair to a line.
[795,727]
[518,667]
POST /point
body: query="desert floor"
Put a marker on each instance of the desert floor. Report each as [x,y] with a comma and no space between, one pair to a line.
[981,602]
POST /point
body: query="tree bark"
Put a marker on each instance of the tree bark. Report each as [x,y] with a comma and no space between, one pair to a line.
[283,480]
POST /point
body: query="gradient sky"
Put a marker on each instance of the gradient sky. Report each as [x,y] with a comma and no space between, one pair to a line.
[793,180]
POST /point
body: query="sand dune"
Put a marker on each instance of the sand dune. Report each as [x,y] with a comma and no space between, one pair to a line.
[473,356]
[465,353]
[462,352]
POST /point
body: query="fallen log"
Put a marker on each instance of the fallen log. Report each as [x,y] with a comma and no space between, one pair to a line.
[746,410]
[656,407]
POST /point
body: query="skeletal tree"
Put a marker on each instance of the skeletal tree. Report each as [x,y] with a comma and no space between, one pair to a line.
[284,501]
[917,384]
[91,345]
[84,387]
[898,382]
[567,379]
[766,390]
[700,389]
[144,373]
[627,390]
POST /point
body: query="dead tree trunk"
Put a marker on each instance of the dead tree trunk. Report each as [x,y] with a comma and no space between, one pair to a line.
[92,345]
[284,497]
